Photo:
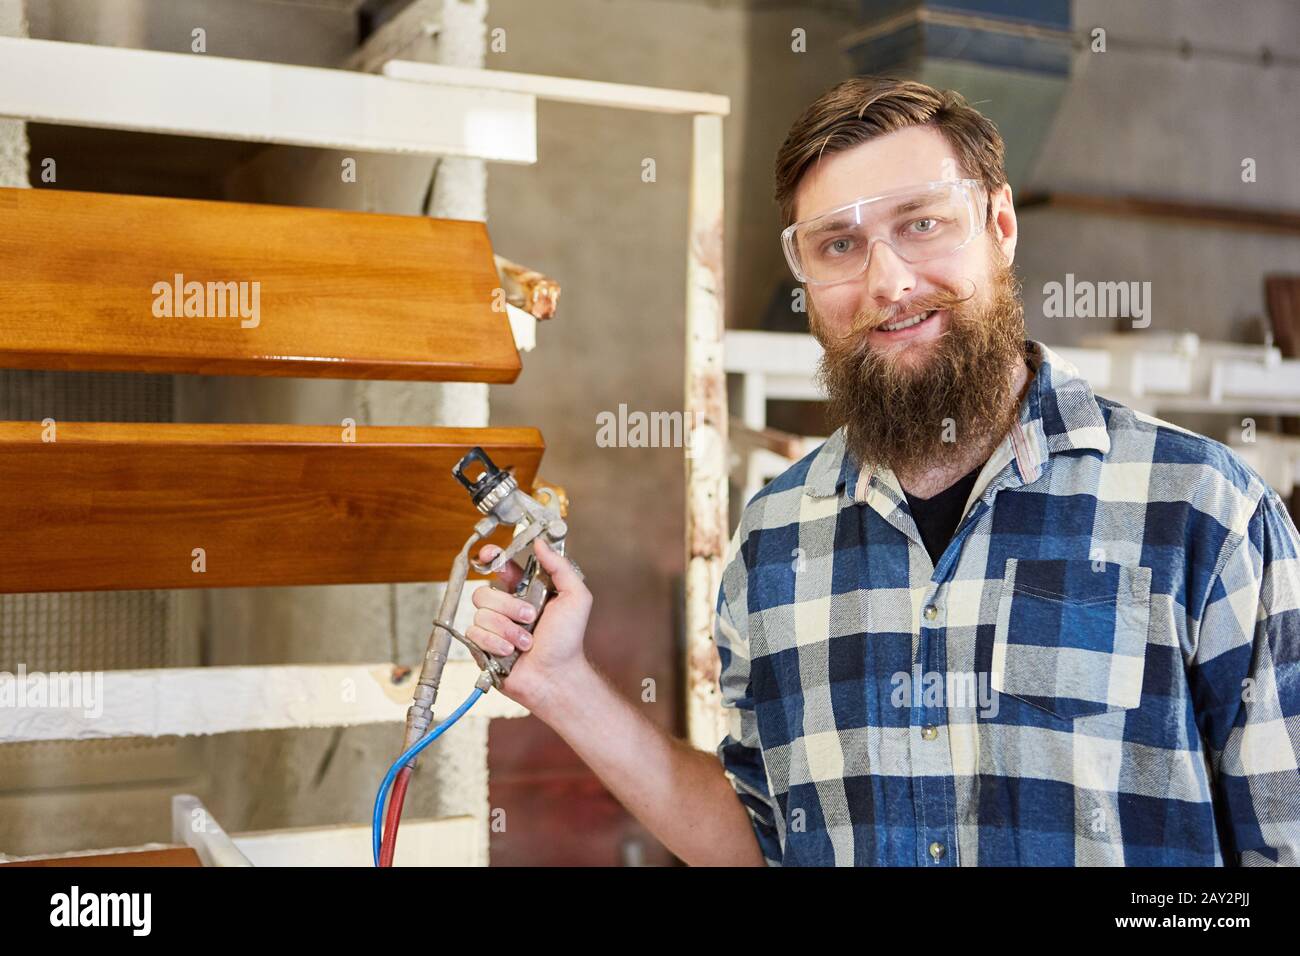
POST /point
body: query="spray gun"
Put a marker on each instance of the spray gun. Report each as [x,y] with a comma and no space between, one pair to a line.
[497,496]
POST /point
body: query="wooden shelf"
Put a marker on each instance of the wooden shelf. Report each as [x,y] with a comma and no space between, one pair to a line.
[110,506]
[102,282]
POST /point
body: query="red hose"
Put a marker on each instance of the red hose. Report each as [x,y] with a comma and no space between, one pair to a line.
[388,844]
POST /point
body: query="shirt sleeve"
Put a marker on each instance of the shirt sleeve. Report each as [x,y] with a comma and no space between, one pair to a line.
[1245,681]
[739,751]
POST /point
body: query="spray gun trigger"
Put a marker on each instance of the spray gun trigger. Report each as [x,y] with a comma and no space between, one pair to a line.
[517,544]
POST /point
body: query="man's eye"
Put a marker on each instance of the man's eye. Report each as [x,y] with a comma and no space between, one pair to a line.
[838,247]
[923,226]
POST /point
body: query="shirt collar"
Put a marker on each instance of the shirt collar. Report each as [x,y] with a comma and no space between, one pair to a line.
[1058,413]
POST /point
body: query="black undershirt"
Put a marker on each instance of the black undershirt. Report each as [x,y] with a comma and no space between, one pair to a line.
[937,518]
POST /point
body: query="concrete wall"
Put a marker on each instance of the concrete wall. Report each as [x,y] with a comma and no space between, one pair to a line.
[1134,120]
[326,776]
[55,799]
[618,246]
[1143,120]
[13,135]
[1137,119]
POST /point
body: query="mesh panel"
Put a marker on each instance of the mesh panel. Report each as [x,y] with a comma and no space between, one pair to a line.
[27,395]
[90,630]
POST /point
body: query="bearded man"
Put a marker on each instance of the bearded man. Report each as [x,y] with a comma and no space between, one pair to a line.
[995,619]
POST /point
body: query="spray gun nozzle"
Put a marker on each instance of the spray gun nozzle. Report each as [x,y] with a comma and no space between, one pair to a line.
[486,486]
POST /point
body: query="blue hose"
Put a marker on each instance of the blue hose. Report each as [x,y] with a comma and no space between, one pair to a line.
[377,825]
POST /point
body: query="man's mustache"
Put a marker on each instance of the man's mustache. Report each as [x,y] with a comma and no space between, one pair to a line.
[869,318]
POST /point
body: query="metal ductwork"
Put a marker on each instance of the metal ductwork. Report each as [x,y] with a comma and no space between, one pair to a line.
[1010,58]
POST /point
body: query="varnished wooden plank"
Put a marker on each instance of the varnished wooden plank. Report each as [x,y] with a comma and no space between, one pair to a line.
[170,856]
[89,282]
[125,506]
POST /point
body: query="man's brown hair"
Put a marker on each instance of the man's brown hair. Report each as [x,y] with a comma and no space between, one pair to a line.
[863,107]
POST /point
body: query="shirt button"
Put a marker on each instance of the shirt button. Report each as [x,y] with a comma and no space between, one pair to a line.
[936,850]
[930,612]
[929,732]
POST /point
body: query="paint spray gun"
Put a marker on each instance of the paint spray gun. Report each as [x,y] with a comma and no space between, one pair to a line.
[497,496]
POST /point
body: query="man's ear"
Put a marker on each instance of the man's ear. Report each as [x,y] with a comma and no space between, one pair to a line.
[1003,229]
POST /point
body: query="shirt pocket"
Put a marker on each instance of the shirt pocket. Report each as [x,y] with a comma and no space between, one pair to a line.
[1071,635]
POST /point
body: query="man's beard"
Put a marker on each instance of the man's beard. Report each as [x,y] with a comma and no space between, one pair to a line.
[916,412]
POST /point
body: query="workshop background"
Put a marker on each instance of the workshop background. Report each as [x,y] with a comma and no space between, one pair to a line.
[1184,92]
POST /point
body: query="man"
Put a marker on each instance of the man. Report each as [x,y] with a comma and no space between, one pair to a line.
[994,619]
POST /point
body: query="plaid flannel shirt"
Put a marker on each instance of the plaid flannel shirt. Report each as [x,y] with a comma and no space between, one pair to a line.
[1102,670]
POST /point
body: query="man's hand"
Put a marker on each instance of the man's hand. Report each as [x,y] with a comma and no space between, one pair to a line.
[554,652]
[681,794]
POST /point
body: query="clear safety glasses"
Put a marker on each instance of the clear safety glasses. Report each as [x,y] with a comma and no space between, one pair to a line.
[921,222]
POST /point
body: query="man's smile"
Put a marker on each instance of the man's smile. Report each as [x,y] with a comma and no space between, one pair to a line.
[918,325]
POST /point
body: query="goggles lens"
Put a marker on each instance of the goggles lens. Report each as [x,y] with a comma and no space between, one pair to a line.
[918,224]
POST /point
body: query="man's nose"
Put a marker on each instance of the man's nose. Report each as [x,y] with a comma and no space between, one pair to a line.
[888,277]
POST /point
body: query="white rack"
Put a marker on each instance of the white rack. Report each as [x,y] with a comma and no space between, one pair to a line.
[416,109]
[768,366]
[449,841]
[1180,372]
[1157,373]
[80,84]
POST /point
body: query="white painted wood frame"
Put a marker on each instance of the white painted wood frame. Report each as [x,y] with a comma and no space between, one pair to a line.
[81,84]
[430,109]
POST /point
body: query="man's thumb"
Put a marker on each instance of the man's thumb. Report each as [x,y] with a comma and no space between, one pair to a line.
[562,572]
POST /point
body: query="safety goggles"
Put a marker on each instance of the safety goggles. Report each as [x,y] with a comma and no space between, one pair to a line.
[922,222]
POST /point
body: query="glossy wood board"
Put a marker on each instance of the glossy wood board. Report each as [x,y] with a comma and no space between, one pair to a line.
[93,281]
[169,856]
[127,506]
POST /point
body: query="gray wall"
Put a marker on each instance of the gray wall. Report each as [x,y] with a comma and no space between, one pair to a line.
[1150,122]
[53,796]
[1138,119]
[1143,120]
[583,215]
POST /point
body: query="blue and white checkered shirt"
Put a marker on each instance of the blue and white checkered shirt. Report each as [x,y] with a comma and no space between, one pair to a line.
[1104,668]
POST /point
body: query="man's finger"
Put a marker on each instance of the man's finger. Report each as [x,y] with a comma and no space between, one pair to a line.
[512,607]
[563,576]
[508,577]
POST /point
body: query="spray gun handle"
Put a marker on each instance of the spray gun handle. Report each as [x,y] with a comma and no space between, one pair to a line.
[497,495]
[534,588]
